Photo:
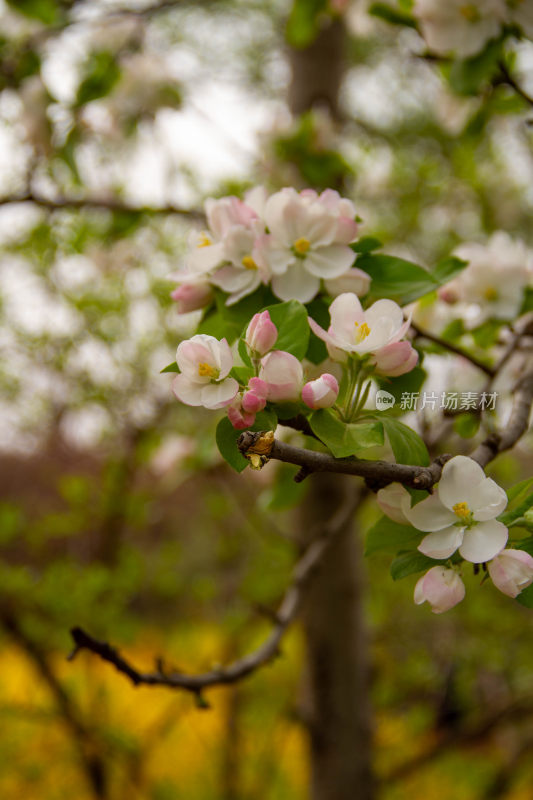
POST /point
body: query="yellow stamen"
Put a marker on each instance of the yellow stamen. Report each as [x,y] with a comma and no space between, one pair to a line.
[361,332]
[470,13]
[248,263]
[205,241]
[462,511]
[302,245]
[207,371]
[490,293]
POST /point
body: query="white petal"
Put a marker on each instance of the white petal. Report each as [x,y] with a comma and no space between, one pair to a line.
[250,287]
[188,392]
[429,515]
[484,541]
[233,279]
[220,394]
[459,476]
[225,358]
[384,309]
[488,500]
[442,544]
[329,262]
[344,312]
[295,284]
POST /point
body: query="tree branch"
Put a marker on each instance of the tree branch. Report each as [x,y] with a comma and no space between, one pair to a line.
[98,203]
[452,348]
[242,667]
[510,81]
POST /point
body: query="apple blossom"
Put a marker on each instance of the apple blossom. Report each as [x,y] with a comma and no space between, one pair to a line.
[355,280]
[192,296]
[441,587]
[308,240]
[261,334]
[283,374]
[395,359]
[461,514]
[322,392]
[459,27]
[511,571]
[353,330]
[255,397]
[204,364]
[495,278]
[390,501]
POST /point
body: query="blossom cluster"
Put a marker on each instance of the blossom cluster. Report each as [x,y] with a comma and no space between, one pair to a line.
[291,240]
[463,27]
[460,516]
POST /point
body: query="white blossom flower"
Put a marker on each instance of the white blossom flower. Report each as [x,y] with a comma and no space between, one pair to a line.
[459,27]
[461,514]
[204,364]
[307,240]
[353,330]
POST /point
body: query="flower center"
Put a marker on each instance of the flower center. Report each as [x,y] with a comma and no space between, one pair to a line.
[361,332]
[462,511]
[205,240]
[470,12]
[490,293]
[207,371]
[248,263]
[301,246]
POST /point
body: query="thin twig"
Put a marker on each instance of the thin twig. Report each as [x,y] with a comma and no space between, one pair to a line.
[452,348]
[510,81]
[242,667]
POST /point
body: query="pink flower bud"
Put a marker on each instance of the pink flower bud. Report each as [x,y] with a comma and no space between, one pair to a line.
[261,334]
[511,571]
[321,393]
[192,296]
[395,359]
[441,587]
[254,399]
[284,375]
[390,501]
[239,418]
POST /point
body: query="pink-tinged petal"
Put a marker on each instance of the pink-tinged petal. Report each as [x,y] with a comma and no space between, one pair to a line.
[192,296]
[187,391]
[329,262]
[219,394]
[225,357]
[484,541]
[283,374]
[296,284]
[321,333]
[395,359]
[345,311]
[429,515]
[390,501]
[194,351]
[319,228]
[238,416]
[441,587]
[459,476]
[511,571]
[487,500]
[275,215]
[232,279]
[346,230]
[442,544]
[354,281]
[261,333]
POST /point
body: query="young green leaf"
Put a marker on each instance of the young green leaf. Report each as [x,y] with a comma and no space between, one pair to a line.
[388,536]
[345,439]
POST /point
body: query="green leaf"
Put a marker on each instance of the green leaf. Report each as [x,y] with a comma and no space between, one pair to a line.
[518,489]
[389,536]
[525,598]
[215,324]
[293,328]
[243,352]
[396,278]
[468,76]
[226,438]
[408,563]
[171,368]
[467,425]
[391,15]
[241,374]
[366,244]
[46,11]
[285,493]
[407,446]
[345,439]
[101,74]
[448,268]
[303,23]
[509,516]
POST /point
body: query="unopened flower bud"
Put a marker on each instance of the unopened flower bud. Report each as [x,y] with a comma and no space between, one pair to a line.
[284,375]
[238,416]
[511,571]
[192,296]
[255,397]
[441,587]
[321,393]
[261,334]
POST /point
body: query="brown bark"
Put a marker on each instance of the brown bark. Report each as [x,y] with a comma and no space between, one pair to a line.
[339,713]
